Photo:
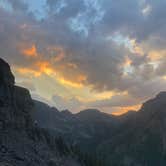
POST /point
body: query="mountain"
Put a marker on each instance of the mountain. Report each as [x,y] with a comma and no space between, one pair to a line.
[62,123]
[134,138]
[22,142]
[93,115]
[67,113]
[141,140]
[86,129]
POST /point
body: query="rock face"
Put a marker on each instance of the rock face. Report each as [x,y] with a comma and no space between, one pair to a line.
[15,102]
[6,76]
[21,142]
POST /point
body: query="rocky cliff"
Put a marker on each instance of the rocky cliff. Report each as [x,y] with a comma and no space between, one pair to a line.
[15,102]
[21,142]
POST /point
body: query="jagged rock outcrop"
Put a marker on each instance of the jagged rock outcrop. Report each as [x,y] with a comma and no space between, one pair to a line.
[22,143]
[15,102]
[6,77]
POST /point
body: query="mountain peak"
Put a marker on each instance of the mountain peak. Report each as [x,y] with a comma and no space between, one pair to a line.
[157,103]
[161,95]
[15,102]
[6,76]
[92,111]
[66,112]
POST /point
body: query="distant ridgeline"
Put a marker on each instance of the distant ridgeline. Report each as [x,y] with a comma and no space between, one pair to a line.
[33,133]
[134,138]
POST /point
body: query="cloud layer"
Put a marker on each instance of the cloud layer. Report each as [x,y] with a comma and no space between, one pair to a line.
[93,51]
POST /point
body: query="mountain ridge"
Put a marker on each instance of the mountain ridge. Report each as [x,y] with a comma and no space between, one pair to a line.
[114,137]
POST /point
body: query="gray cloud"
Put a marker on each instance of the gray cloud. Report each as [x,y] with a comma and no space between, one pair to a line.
[70,104]
[101,60]
[27,84]
[123,100]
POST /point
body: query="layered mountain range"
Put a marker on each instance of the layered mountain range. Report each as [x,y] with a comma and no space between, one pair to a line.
[134,138]
[28,127]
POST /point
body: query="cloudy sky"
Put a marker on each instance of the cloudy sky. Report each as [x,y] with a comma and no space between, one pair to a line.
[77,54]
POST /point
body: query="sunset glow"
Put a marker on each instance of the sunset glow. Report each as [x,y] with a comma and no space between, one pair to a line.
[30,52]
[122,110]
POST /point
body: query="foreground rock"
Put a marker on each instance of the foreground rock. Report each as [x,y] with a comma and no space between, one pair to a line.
[21,142]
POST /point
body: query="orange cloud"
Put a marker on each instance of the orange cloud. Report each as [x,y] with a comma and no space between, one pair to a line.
[30,52]
[62,71]
[156,55]
[37,69]
[122,110]
[28,71]
[70,83]
[127,62]
[45,67]
[69,76]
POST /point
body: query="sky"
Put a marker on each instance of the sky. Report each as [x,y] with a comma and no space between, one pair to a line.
[104,54]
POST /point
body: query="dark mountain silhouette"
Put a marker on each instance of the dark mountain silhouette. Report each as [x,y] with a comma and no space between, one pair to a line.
[22,143]
[93,115]
[134,138]
[67,113]
[87,129]
[140,140]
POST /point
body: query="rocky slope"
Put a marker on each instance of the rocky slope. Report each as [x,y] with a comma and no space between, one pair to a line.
[22,143]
